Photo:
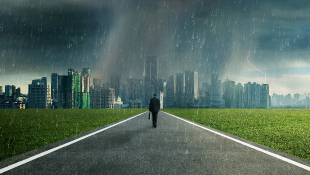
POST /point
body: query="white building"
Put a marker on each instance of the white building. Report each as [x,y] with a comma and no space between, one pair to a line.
[118,104]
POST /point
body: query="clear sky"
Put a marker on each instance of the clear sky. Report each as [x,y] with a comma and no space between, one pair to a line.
[249,39]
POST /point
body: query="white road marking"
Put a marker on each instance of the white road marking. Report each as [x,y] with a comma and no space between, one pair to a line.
[61,146]
[246,144]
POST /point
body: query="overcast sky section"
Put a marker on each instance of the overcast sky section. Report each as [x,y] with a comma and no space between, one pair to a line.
[40,37]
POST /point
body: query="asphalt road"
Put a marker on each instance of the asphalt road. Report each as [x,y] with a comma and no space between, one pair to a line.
[174,147]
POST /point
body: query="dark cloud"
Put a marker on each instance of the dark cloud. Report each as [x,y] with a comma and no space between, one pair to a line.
[41,36]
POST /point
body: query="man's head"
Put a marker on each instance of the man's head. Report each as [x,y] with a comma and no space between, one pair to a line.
[155,95]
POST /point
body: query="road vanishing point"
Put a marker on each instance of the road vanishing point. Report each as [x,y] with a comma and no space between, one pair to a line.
[176,146]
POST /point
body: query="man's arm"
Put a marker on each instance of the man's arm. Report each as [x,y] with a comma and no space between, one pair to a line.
[150,106]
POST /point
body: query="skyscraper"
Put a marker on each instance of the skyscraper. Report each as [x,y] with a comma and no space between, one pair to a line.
[264,99]
[85,80]
[247,95]
[187,86]
[206,90]
[239,95]
[38,94]
[191,86]
[149,89]
[8,90]
[1,90]
[216,88]
[151,71]
[179,86]
[256,90]
[160,84]
[72,92]
[124,93]
[13,91]
[132,93]
[116,81]
[18,92]
[54,85]
[229,93]
[170,91]
[109,98]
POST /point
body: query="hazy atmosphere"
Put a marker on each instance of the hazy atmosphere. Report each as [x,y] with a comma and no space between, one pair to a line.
[250,40]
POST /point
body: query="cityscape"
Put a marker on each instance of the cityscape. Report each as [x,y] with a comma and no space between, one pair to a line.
[78,82]
[199,54]
[74,91]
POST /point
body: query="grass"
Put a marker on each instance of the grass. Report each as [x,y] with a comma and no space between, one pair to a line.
[287,130]
[25,130]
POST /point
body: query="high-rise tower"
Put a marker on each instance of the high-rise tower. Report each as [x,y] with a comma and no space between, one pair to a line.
[151,71]
[116,81]
[54,85]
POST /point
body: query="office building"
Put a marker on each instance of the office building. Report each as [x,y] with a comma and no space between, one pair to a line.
[8,90]
[288,100]
[247,91]
[133,92]
[86,79]
[170,91]
[142,94]
[18,94]
[109,98]
[13,91]
[1,90]
[54,85]
[73,91]
[151,71]
[191,86]
[206,90]
[216,90]
[256,90]
[139,82]
[239,95]
[229,93]
[264,99]
[179,89]
[116,81]
[124,93]
[187,92]
[39,94]
[160,85]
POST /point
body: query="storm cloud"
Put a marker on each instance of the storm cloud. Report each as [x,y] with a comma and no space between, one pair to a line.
[39,37]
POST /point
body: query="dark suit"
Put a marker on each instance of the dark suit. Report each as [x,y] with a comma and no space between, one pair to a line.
[154,108]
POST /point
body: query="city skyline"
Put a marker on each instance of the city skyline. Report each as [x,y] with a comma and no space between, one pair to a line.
[49,80]
[263,42]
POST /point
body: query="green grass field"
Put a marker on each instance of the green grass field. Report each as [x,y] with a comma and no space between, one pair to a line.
[287,130]
[25,130]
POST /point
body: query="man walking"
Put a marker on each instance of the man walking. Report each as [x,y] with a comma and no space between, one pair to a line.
[154,108]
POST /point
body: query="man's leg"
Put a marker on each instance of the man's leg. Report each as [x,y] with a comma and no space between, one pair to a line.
[155,119]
